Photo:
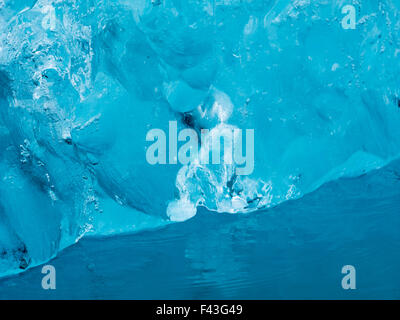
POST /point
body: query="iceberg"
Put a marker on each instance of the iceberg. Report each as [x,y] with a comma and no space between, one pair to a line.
[83,82]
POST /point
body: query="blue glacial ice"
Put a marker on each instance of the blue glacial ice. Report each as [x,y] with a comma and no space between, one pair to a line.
[82,82]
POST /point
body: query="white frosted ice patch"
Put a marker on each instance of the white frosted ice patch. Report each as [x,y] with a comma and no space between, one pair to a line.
[181,210]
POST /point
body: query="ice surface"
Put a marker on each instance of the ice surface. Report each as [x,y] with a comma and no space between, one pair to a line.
[82,82]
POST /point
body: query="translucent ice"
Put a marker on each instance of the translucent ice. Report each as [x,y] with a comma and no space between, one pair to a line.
[82,82]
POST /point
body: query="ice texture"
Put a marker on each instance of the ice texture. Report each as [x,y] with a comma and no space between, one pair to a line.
[83,81]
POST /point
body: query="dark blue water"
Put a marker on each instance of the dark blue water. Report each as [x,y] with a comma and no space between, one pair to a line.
[296,250]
